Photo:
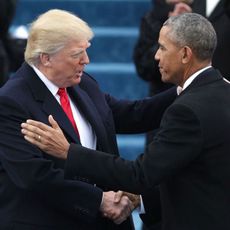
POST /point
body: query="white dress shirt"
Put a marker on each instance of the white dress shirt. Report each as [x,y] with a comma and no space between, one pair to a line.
[190,79]
[210,6]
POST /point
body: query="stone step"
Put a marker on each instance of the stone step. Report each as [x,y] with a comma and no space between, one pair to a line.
[108,45]
[113,44]
[118,79]
[115,33]
[103,13]
[130,146]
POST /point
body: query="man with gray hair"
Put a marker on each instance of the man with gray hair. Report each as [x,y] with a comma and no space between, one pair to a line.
[189,158]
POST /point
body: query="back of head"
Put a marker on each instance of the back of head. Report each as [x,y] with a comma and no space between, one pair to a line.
[52,31]
[194,31]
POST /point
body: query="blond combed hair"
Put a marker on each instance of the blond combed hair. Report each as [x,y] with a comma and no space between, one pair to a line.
[52,31]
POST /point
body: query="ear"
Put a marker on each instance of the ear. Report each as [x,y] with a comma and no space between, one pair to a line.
[45,59]
[186,54]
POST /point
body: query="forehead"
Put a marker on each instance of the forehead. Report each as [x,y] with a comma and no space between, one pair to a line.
[75,46]
[83,44]
[164,33]
[166,42]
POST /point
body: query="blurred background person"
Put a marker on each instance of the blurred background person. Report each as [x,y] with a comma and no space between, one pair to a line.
[217,12]
[7,10]
[12,45]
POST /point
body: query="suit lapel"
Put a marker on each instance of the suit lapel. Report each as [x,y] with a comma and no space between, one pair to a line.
[208,76]
[88,109]
[51,106]
[48,103]
[217,11]
[199,6]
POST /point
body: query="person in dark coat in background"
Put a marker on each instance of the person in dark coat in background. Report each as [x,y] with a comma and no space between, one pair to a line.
[7,11]
[217,12]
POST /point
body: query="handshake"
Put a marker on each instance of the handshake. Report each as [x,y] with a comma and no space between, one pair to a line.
[118,206]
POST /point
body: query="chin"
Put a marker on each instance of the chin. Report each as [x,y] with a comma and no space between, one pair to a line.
[166,78]
[77,81]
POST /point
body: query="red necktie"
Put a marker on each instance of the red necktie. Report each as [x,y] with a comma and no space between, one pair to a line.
[66,107]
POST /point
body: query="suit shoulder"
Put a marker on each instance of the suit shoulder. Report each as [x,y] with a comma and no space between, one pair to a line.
[88,82]
[88,77]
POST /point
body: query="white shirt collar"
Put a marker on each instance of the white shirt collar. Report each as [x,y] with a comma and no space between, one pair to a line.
[190,79]
[50,85]
[210,6]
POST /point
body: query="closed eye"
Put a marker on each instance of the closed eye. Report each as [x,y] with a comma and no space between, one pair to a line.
[77,55]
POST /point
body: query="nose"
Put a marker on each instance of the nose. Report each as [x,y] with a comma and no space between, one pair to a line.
[157,55]
[85,59]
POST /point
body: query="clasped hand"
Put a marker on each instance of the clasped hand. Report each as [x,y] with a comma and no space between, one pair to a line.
[117,206]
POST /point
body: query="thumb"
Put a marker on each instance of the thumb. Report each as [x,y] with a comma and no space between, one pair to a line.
[53,123]
[117,197]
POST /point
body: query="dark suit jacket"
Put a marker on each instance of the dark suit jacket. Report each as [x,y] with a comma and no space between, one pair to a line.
[33,191]
[189,159]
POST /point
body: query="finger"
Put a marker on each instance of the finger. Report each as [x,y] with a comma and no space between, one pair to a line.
[104,214]
[183,6]
[32,131]
[53,123]
[38,125]
[117,197]
[33,141]
[120,219]
[28,128]
[35,137]
[109,215]
[127,206]
[25,131]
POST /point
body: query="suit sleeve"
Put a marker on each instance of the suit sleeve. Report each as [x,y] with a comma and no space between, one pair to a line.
[141,115]
[152,204]
[29,169]
[176,145]
[227,7]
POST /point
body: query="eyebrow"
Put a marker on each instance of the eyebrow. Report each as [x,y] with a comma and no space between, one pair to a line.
[76,53]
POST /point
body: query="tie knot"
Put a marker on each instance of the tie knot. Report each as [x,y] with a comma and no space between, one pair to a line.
[61,92]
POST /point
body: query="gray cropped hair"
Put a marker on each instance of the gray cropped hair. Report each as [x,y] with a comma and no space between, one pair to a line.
[194,31]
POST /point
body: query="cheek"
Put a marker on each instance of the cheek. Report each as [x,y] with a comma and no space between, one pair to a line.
[74,65]
[165,58]
[167,63]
